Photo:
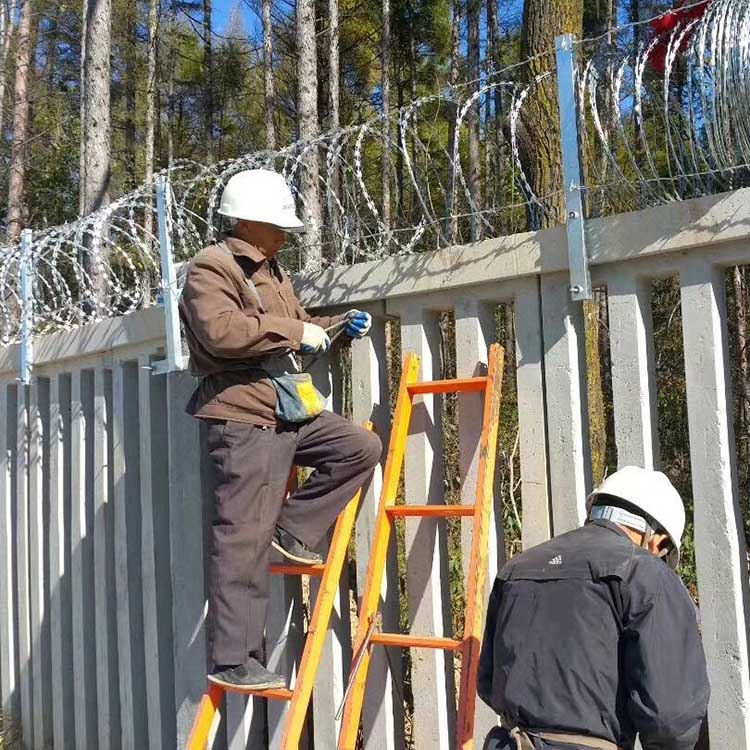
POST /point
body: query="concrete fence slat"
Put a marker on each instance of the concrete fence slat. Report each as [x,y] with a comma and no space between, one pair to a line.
[23,583]
[631,339]
[82,563]
[38,571]
[107,606]
[61,684]
[720,553]
[383,710]
[532,427]
[567,417]
[432,673]
[245,721]
[152,646]
[9,695]
[284,643]
[186,545]
[335,662]
[475,332]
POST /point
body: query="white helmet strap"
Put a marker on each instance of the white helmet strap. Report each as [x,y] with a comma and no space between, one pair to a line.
[624,517]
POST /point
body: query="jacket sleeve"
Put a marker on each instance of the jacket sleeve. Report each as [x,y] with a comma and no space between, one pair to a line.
[487,655]
[324,321]
[665,667]
[213,309]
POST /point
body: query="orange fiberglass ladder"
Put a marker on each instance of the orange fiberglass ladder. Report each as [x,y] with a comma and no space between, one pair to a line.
[480,511]
[299,698]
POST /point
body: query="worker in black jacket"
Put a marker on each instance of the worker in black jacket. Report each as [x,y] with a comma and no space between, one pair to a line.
[591,638]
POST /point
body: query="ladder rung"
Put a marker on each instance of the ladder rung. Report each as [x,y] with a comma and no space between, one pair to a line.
[465,385]
[277,694]
[281,569]
[430,511]
[414,641]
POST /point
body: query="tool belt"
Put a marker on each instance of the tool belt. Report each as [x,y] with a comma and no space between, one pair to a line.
[523,739]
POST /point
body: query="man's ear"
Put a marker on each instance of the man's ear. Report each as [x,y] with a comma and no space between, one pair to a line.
[659,545]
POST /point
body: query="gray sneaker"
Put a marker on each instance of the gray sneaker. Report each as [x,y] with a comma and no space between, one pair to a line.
[252,674]
[293,549]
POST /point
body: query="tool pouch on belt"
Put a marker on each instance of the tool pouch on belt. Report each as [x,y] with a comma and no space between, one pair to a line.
[297,399]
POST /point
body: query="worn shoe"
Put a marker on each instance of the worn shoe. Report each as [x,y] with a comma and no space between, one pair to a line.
[291,548]
[252,674]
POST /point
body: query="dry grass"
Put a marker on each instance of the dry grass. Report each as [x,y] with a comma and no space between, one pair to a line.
[10,734]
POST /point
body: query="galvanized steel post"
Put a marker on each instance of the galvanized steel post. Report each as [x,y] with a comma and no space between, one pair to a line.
[27,307]
[580,279]
[169,292]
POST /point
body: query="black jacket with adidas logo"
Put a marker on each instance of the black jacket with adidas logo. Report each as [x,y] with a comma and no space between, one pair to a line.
[589,634]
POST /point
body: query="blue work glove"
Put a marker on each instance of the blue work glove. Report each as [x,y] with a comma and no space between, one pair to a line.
[358,324]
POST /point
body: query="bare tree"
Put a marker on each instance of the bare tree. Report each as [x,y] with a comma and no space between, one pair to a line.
[21,111]
[307,107]
[385,85]
[475,157]
[96,123]
[7,14]
[268,75]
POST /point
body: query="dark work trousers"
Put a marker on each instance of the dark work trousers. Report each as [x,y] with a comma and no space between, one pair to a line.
[252,466]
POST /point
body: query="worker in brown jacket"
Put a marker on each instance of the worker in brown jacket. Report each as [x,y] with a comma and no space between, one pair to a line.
[242,320]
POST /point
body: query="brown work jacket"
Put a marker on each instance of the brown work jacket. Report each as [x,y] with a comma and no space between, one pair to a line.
[228,333]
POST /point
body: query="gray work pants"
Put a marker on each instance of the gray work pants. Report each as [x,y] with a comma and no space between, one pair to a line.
[252,466]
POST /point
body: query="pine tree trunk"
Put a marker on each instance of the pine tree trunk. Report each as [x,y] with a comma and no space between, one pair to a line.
[7,14]
[494,55]
[208,97]
[451,222]
[385,84]
[334,122]
[16,205]
[543,20]
[307,107]
[131,64]
[268,75]
[170,89]
[475,156]
[82,87]
[334,66]
[96,125]
[150,119]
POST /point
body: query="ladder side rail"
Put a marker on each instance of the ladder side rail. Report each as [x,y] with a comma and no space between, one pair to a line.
[379,553]
[479,550]
[321,617]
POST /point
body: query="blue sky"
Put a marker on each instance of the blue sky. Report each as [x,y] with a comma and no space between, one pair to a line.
[223,8]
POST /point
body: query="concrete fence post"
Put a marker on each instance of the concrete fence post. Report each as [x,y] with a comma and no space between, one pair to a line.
[27,306]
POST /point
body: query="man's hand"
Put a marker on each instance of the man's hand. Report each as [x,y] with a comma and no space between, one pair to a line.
[314,339]
[358,324]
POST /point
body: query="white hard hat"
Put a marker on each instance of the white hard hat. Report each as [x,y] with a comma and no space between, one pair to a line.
[260,195]
[652,493]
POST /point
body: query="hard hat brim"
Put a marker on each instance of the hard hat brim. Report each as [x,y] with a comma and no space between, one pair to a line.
[288,222]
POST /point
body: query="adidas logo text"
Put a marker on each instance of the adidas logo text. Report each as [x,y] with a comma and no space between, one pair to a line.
[557,560]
